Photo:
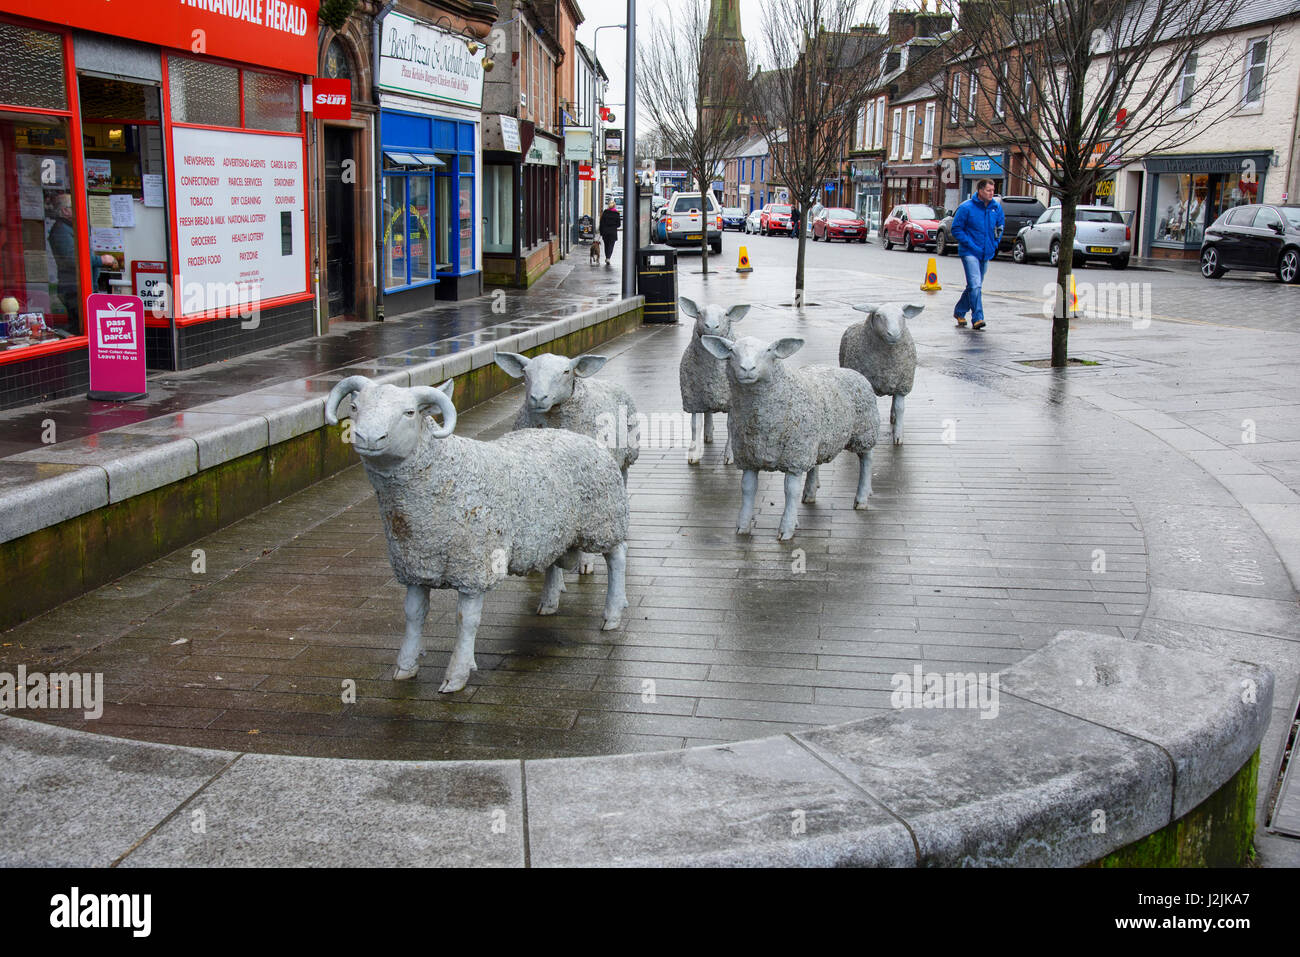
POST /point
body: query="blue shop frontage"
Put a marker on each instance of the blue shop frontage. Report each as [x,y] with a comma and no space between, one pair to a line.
[431,149]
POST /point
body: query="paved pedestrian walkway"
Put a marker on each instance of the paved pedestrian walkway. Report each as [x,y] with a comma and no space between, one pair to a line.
[1122,497]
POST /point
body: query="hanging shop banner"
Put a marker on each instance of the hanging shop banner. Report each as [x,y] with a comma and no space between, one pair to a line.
[271,33]
[331,99]
[418,58]
[577,145]
[241,234]
[116,346]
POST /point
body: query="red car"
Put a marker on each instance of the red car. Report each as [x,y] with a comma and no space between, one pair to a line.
[834,223]
[912,226]
[776,218]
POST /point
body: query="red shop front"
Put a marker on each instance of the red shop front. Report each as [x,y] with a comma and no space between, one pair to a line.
[157,151]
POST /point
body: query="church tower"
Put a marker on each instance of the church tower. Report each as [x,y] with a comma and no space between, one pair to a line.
[725,67]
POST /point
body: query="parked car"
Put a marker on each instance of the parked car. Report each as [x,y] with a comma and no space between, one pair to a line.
[1020,211]
[733,217]
[753,221]
[1100,232]
[1254,238]
[837,223]
[912,226]
[776,218]
[687,217]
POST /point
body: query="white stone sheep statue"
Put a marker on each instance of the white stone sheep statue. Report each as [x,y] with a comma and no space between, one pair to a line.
[792,421]
[881,348]
[462,514]
[703,378]
[556,397]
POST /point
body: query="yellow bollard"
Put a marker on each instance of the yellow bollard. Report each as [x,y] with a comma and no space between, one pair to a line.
[744,260]
[931,283]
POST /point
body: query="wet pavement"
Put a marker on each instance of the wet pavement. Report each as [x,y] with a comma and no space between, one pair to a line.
[1122,497]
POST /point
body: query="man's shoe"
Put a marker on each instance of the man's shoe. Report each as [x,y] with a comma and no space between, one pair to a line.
[961,321]
[977,324]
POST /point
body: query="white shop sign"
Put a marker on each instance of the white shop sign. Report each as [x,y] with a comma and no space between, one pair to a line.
[421,59]
[239,217]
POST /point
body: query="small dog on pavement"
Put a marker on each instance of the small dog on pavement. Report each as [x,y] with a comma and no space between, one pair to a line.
[595,253]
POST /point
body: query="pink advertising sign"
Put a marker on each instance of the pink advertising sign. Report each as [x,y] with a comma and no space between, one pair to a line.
[116,346]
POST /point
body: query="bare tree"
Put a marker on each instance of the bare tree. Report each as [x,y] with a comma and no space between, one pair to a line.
[672,74]
[817,68]
[1081,85]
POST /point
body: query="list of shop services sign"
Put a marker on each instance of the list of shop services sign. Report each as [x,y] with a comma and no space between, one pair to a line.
[239,218]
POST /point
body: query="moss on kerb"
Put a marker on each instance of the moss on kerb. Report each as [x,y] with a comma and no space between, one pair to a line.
[1218,832]
[55,564]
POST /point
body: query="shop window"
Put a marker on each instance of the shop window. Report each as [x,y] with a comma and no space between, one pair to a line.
[40,231]
[498,209]
[33,68]
[271,102]
[419,234]
[395,249]
[206,94]
[1181,208]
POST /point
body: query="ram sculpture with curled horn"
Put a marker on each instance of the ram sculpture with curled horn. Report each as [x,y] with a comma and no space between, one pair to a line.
[460,513]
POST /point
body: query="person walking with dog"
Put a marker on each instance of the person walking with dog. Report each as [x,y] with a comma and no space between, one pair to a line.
[977,226]
[610,223]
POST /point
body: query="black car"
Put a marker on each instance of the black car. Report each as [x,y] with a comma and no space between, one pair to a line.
[1019,211]
[1255,239]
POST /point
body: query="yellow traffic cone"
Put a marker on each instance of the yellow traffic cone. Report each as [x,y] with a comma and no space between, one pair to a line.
[931,283]
[744,260]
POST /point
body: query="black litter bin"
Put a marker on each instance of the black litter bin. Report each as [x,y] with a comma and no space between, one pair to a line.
[656,279]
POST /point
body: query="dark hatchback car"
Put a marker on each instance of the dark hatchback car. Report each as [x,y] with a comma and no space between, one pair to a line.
[1020,211]
[1254,239]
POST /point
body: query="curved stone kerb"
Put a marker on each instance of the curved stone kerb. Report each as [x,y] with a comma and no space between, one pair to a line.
[1101,738]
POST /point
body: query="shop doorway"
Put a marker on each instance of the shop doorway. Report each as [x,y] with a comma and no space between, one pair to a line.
[341,175]
[126,196]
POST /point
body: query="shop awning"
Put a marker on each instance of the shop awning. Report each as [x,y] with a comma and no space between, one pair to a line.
[413,159]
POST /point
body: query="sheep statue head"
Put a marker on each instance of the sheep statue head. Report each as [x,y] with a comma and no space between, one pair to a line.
[889,321]
[751,360]
[388,422]
[548,379]
[712,320]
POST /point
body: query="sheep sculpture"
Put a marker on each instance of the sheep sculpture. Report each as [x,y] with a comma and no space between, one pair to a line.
[882,349]
[793,421]
[703,378]
[462,514]
[557,397]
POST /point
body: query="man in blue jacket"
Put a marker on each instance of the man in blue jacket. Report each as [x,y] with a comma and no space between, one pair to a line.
[977,226]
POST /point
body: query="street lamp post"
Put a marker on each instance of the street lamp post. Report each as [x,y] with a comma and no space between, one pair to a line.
[631,197]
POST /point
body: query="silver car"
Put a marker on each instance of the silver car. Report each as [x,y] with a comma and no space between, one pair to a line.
[1100,233]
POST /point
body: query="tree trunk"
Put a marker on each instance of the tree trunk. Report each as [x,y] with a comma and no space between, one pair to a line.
[1064,271]
[704,226]
[799,262]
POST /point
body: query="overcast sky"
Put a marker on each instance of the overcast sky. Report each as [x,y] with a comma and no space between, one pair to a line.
[612,45]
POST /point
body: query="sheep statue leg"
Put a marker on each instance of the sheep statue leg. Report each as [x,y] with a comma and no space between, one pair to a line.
[748,488]
[469,609]
[727,457]
[864,480]
[789,518]
[616,592]
[896,418]
[696,449]
[708,428]
[810,486]
[417,609]
[550,602]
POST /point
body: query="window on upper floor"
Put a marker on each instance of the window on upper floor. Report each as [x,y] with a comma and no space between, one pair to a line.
[879,140]
[1252,89]
[1187,83]
[954,101]
[1000,107]
[895,134]
[909,132]
[970,98]
[927,137]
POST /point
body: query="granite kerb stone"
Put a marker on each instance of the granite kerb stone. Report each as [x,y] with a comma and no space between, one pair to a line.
[1076,762]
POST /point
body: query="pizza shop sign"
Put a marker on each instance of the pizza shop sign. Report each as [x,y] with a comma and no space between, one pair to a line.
[418,58]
